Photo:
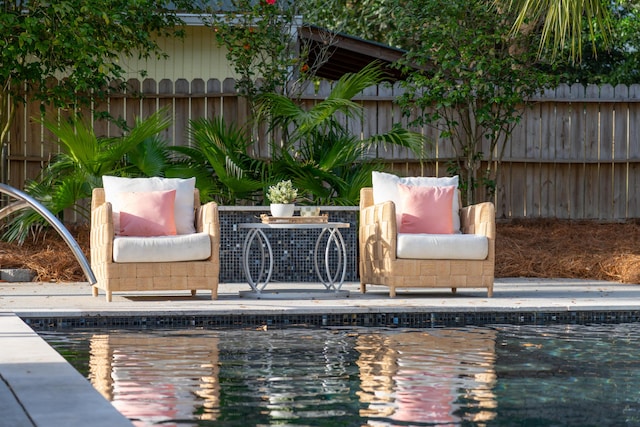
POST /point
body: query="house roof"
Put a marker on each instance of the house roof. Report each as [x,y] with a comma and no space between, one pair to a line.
[348,54]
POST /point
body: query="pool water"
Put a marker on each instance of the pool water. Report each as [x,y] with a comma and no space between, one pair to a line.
[490,376]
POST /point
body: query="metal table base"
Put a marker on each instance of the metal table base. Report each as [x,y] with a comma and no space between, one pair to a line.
[331,278]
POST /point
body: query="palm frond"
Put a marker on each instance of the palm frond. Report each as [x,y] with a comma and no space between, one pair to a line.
[352,84]
[149,157]
[401,137]
[78,140]
[562,22]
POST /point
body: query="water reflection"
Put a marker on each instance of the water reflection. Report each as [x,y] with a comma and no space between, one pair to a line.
[502,376]
[153,378]
[438,376]
[384,378]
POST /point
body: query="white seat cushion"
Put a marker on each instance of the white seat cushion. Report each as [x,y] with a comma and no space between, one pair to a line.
[182,247]
[442,246]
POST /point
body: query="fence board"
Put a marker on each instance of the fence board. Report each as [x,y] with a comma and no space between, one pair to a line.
[182,112]
[197,103]
[606,148]
[117,111]
[547,142]
[517,171]
[384,120]
[563,182]
[620,152]
[149,103]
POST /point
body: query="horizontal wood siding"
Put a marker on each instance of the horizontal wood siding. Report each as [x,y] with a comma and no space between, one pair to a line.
[574,155]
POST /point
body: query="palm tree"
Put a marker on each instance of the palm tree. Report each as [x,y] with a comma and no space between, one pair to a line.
[317,151]
[71,176]
[562,22]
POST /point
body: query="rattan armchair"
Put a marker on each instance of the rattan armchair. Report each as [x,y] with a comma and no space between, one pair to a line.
[152,276]
[379,264]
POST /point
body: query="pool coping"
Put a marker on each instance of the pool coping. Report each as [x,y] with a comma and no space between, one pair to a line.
[39,388]
[515,300]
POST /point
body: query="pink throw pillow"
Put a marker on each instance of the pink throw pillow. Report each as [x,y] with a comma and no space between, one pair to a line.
[426,209]
[149,213]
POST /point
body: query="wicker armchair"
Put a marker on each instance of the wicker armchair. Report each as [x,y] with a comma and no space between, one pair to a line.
[151,276]
[379,264]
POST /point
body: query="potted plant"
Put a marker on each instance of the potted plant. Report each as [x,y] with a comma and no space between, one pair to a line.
[282,197]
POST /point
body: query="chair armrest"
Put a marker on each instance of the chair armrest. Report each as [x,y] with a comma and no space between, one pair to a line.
[101,235]
[207,221]
[479,219]
[378,230]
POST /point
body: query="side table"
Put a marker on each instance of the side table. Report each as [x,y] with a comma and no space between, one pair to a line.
[332,279]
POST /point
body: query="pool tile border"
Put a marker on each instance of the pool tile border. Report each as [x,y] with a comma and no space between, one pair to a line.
[387,320]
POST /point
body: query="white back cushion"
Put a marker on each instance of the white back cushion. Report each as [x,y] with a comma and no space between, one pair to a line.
[385,188]
[184,208]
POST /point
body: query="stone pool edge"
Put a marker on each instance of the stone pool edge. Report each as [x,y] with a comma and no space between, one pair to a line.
[40,388]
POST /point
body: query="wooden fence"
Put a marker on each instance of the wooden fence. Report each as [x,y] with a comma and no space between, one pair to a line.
[575,154]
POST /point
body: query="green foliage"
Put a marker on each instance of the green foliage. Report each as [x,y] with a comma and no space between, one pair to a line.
[616,62]
[220,161]
[79,40]
[259,39]
[85,158]
[468,79]
[375,20]
[563,23]
[317,151]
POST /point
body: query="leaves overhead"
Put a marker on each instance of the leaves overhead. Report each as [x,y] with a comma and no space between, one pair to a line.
[77,41]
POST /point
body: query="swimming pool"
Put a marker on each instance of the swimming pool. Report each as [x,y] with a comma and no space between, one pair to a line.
[565,375]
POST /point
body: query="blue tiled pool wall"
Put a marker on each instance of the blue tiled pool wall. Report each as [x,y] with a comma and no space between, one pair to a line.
[292,249]
[385,320]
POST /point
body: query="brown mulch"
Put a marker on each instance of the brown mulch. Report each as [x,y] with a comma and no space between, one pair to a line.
[543,249]
[569,249]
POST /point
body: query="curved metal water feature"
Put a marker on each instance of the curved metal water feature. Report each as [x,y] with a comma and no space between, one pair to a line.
[27,201]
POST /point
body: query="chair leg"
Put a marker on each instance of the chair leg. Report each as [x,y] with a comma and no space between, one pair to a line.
[108,296]
[392,292]
[363,287]
[94,291]
[193,292]
[489,292]
[454,290]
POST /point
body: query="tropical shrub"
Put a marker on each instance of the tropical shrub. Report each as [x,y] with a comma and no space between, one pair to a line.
[72,175]
[219,159]
[317,151]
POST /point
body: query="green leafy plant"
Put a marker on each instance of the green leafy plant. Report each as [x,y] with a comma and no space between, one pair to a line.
[41,40]
[314,149]
[219,159]
[282,192]
[317,151]
[259,42]
[85,158]
[469,79]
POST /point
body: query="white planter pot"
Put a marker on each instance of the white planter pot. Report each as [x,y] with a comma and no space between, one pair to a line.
[282,209]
